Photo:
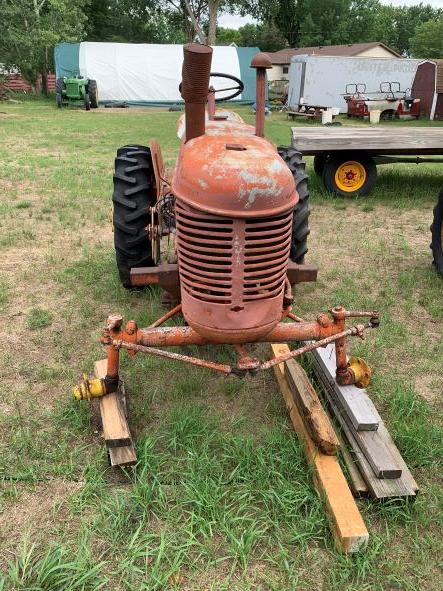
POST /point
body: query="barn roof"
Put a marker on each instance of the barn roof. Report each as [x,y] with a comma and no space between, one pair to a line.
[350,50]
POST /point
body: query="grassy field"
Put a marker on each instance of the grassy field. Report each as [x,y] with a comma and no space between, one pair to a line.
[222,497]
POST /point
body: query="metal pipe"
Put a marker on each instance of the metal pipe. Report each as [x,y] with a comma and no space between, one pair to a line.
[353,331]
[283,332]
[194,89]
[261,63]
[166,316]
[226,369]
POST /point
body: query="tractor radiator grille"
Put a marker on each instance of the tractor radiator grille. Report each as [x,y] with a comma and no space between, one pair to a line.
[232,261]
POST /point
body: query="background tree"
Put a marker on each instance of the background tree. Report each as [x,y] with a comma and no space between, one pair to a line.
[324,22]
[226,36]
[31,28]
[428,39]
[136,21]
[267,37]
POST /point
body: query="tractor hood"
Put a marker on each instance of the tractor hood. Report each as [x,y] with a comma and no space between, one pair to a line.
[237,175]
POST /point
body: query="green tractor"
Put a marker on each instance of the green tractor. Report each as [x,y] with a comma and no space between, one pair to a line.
[75,90]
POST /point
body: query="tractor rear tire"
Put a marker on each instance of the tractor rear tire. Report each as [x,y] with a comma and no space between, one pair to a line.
[300,225]
[87,102]
[93,93]
[58,100]
[359,164]
[437,234]
[134,193]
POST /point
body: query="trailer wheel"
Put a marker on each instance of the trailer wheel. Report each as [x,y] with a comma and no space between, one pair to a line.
[93,93]
[437,234]
[350,174]
[319,163]
[134,193]
[300,226]
[387,115]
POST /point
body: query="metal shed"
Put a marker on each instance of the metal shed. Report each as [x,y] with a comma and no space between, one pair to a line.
[428,87]
[321,80]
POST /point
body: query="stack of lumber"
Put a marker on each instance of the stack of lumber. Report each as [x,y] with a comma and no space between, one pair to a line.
[347,525]
[114,423]
[373,459]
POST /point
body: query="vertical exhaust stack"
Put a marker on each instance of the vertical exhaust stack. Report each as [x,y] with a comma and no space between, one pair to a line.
[195,84]
[261,63]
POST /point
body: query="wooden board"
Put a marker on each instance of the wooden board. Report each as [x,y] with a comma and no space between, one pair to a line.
[308,403]
[122,456]
[405,486]
[358,406]
[115,426]
[355,478]
[375,140]
[347,524]
[371,443]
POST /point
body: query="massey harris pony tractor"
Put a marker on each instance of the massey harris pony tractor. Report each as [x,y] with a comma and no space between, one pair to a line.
[238,209]
[75,90]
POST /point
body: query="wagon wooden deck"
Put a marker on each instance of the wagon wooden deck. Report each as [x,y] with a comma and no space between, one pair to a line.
[373,140]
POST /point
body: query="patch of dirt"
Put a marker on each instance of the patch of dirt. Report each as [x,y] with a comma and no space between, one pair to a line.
[35,511]
[425,386]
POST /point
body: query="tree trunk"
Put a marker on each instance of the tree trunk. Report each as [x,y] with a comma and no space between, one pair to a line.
[44,83]
[212,30]
[199,31]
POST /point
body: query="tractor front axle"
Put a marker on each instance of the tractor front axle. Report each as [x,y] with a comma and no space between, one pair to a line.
[317,333]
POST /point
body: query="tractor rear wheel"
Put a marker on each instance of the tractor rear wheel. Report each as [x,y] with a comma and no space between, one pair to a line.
[93,93]
[134,193]
[87,102]
[300,226]
[437,234]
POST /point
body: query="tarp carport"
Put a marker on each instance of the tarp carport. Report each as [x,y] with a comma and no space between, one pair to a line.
[144,74]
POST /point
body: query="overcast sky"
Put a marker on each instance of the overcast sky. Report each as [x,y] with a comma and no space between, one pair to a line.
[234,22]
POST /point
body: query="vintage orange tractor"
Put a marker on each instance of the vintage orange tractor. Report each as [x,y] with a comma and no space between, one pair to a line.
[240,228]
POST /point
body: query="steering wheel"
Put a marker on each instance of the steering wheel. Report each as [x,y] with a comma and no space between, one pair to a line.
[238,89]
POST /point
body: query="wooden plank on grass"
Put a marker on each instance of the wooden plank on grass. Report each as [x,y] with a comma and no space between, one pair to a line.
[115,426]
[371,443]
[122,456]
[359,407]
[347,524]
[356,480]
[311,410]
[405,486]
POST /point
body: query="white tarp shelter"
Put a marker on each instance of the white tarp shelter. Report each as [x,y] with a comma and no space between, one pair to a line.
[142,73]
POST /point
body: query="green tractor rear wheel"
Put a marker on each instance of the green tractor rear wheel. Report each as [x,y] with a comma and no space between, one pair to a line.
[59,85]
[93,93]
[87,102]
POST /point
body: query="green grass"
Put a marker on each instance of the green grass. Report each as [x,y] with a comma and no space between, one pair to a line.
[221,497]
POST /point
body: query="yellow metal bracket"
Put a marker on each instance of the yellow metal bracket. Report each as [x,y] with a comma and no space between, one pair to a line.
[361,371]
